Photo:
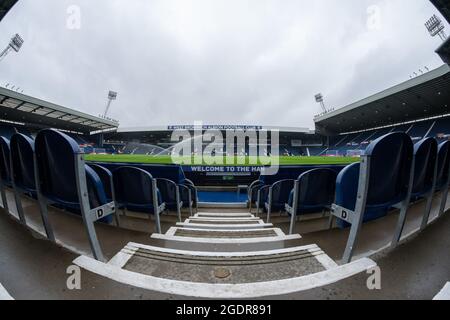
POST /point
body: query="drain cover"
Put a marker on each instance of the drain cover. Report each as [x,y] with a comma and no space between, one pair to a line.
[222,273]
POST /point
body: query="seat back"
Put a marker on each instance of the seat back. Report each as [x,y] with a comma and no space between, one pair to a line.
[443,164]
[425,153]
[22,153]
[174,173]
[133,186]
[293,172]
[316,189]
[384,179]
[168,191]
[5,169]
[55,158]
[347,186]
[390,168]
[106,178]
[281,192]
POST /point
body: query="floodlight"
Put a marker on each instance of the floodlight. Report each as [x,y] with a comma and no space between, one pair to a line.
[435,27]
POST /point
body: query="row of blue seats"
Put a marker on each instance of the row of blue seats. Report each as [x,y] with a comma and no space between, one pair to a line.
[7,130]
[52,169]
[435,128]
[392,173]
[279,185]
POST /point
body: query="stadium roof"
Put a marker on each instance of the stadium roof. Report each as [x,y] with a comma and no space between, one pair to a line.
[444,7]
[17,107]
[444,51]
[5,6]
[425,96]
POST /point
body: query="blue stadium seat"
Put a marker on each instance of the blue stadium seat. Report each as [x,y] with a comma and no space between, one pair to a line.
[64,180]
[22,170]
[383,179]
[22,153]
[188,196]
[107,180]
[170,192]
[55,152]
[7,131]
[425,154]
[443,174]
[137,190]
[170,180]
[313,192]
[423,184]
[5,164]
[278,195]
[5,169]
[258,191]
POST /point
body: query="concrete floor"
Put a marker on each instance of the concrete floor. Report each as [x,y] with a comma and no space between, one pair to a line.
[33,268]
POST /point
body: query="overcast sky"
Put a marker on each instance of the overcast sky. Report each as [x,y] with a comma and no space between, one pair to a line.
[218,61]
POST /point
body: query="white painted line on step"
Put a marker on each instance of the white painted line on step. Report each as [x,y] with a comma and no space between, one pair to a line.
[121,258]
[224,214]
[173,230]
[208,290]
[312,248]
[4,295]
[216,227]
[225,240]
[444,294]
[223,219]
[325,260]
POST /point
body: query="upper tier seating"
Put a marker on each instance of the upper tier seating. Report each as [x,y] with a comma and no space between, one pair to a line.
[435,128]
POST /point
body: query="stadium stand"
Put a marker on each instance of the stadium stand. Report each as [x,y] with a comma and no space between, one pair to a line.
[404,149]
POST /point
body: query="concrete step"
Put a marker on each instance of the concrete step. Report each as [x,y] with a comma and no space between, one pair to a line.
[224,215]
[225,234]
[225,220]
[214,225]
[223,274]
[225,205]
[233,236]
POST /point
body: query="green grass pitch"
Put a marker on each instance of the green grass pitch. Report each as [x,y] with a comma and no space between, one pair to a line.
[238,161]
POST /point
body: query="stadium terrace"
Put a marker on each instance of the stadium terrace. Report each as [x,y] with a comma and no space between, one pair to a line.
[347,203]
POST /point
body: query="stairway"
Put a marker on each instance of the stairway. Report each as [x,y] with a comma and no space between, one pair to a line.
[224,255]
